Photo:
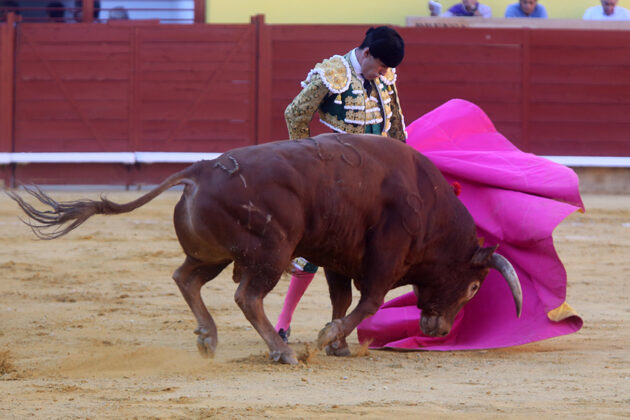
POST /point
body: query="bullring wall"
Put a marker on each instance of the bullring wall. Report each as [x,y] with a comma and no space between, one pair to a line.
[209,88]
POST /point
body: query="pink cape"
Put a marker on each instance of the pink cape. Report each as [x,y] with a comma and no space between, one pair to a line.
[517,199]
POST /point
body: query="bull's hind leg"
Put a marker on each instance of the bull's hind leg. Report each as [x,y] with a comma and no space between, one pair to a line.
[253,287]
[190,277]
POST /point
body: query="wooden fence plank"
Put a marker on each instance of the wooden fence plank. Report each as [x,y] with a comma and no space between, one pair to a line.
[575,55]
[130,86]
[7,75]
[36,90]
[581,38]
[592,74]
[76,33]
[569,94]
[264,80]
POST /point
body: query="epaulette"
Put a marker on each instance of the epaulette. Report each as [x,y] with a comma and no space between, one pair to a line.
[334,72]
[389,78]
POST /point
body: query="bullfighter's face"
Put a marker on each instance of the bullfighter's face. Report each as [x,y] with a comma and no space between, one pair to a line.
[371,67]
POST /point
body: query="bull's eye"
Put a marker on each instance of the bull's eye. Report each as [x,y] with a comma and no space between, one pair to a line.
[472,289]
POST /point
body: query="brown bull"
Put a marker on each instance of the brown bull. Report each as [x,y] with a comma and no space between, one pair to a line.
[364,207]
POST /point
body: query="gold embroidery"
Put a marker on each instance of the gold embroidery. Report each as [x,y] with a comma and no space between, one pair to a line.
[300,111]
[333,121]
[385,101]
[355,115]
[389,78]
[334,72]
[397,120]
[355,101]
[333,77]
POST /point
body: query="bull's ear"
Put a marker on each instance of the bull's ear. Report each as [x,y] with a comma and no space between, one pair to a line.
[482,256]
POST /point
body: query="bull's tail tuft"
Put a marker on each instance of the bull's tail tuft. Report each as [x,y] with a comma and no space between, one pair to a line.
[61,218]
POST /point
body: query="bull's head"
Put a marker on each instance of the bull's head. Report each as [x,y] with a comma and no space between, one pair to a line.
[442,297]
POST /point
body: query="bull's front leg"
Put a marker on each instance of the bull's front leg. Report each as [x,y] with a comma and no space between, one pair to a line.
[339,329]
[384,265]
[340,289]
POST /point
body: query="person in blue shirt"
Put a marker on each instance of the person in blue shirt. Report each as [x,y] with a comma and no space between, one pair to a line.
[526,9]
[469,8]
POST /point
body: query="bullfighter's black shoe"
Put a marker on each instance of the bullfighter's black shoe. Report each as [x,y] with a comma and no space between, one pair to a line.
[284,334]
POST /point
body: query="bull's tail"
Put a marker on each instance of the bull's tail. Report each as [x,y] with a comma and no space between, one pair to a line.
[64,217]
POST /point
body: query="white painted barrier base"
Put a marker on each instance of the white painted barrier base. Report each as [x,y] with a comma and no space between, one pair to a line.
[131,158]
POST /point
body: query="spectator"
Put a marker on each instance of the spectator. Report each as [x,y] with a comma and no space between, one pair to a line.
[7,7]
[469,8]
[526,9]
[56,11]
[435,8]
[78,10]
[118,13]
[607,11]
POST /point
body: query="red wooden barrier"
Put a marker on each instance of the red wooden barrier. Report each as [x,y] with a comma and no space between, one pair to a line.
[484,67]
[114,88]
[439,64]
[7,54]
[550,91]
[91,88]
[580,92]
[209,88]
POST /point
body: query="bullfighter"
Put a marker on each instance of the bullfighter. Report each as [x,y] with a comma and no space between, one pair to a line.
[355,93]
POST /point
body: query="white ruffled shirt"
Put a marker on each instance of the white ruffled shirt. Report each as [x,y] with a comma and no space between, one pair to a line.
[355,64]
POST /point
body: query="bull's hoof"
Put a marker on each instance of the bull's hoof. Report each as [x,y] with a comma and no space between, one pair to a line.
[285,357]
[206,344]
[338,349]
[331,332]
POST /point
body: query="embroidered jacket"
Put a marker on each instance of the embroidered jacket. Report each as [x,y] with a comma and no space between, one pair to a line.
[336,92]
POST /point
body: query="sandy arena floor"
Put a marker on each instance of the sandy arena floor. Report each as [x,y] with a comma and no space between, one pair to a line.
[92,326]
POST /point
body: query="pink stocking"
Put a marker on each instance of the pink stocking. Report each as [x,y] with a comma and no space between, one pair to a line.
[299,283]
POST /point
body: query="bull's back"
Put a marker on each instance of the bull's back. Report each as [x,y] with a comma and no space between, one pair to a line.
[309,191]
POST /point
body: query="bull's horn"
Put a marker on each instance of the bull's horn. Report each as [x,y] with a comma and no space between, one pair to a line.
[503,266]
